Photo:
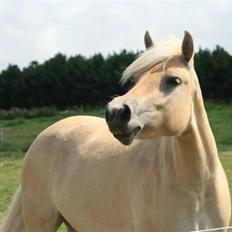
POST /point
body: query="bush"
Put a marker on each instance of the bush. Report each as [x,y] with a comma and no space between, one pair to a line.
[25,113]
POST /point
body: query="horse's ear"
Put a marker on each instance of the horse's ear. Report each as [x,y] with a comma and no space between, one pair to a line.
[187,46]
[148,40]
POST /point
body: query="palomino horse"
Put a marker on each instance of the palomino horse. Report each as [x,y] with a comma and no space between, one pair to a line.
[169,178]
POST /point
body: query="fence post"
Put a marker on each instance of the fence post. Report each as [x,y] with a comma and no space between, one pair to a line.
[2,135]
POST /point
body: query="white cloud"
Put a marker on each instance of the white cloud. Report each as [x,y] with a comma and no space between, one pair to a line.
[46,43]
[36,30]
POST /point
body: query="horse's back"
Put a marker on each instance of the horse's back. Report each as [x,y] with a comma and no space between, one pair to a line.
[76,128]
[84,125]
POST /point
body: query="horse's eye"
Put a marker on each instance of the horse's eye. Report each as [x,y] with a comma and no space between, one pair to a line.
[173,81]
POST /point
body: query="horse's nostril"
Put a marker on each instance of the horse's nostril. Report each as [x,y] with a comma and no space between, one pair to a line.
[125,113]
[121,115]
[138,129]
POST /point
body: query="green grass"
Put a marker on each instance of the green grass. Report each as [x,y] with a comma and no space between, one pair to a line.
[9,179]
[220,117]
[226,158]
[18,134]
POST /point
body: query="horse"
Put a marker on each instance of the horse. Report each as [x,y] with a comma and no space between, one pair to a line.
[151,165]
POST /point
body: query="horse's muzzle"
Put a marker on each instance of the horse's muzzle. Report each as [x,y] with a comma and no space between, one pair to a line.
[118,123]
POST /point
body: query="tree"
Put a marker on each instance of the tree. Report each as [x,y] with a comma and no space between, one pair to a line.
[67,81]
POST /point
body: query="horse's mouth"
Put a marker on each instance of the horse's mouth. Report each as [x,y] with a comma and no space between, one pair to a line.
[127,138]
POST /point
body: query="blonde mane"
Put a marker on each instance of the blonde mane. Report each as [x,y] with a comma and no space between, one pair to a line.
[159,53]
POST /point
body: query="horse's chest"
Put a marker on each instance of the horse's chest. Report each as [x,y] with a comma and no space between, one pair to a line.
[170,210]
[173,216]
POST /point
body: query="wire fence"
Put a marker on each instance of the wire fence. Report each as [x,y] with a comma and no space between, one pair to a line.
[214,229]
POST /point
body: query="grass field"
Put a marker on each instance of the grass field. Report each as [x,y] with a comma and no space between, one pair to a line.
[17,134]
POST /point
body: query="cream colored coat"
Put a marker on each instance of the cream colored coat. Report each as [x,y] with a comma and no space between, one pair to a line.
[169,179]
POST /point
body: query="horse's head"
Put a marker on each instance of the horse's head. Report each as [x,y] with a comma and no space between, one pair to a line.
[160,103]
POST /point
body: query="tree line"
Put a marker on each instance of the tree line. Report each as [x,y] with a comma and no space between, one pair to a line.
[77,80]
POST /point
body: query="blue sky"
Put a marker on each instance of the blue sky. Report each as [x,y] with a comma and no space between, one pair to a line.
[38,29]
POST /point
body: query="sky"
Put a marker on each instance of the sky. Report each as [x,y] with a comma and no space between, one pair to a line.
[38,29]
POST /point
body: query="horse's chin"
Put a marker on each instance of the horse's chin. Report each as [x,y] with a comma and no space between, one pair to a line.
[127,138]
[124,140]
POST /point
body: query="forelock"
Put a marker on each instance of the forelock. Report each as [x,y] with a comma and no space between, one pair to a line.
[159,53]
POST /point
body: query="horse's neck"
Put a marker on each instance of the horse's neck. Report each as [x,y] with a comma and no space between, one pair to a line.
[196,149]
